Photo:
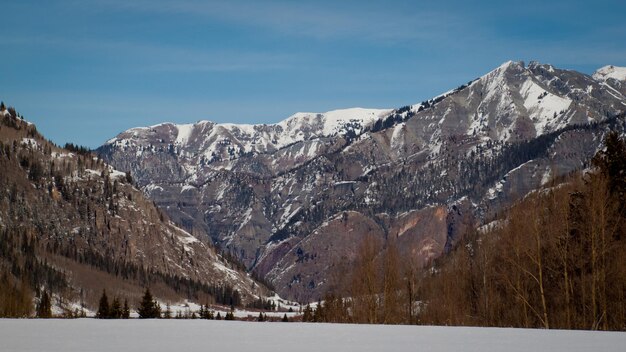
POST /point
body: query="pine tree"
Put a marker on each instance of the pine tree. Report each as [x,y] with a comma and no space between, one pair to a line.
[103,307]
[168,312]
[612,163]
[126,310]
[219,316]
[318,314]
[115,311]
[308,314]
[149,308]
[202,313]
[285,319]
[44,309]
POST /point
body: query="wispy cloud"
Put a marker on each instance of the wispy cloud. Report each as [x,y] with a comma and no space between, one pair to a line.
[147,57]
[380,24]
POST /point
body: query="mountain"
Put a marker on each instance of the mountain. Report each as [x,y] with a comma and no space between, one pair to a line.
[74,225]
[294,200]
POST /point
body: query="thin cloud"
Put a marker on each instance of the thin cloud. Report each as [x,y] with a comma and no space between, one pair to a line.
[145,57]
[304,19]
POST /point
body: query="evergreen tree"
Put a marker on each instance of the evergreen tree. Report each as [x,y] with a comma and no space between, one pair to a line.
[103,307]
[261,318]
[202,313]
[308,314]
[612,163]
[149,308]
[229,316]
[318,314]
[285,319]
[168,312]
[126,310]
[115,311]
[219,316]
[44,309]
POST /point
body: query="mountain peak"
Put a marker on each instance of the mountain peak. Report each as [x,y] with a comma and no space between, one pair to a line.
[610,71]
[515,65]
[497,75]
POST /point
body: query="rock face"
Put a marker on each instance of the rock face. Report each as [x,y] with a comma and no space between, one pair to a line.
[87,221]
[293,200]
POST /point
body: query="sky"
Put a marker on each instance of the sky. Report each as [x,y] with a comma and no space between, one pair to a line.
[83,70]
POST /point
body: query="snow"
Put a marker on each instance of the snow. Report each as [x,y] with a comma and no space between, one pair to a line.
[184,132]
[200,335]
[496,224]
[187,188]
[494,192]
[153,187]
[546,177]
[261,138]
[610,71]
[241,128]
[30,141]
[247,217]
[228,271]
[327,124]
[61,155]
[186,237]
[615,93]
[117,174]
[542,105]
[93,172]
[283,303]
[396,136]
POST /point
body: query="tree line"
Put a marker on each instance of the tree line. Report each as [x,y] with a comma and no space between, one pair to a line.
[556,259]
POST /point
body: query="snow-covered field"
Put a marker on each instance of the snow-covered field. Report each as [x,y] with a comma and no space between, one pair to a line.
[210,335]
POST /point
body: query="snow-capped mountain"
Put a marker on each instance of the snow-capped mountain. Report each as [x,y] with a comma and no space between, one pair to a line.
[610,71]
[613,78]
[219,144]
[293,200]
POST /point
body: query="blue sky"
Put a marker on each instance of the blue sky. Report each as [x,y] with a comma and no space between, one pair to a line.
[84,71]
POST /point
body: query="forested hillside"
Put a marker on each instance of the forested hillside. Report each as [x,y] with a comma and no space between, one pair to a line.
[555,259]
[71,226]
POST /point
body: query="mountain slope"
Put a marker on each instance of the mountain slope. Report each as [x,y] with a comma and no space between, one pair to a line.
[422,173]
[83,224]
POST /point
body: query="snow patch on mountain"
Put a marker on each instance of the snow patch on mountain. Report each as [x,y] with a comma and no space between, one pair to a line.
[543,107]
[184,132]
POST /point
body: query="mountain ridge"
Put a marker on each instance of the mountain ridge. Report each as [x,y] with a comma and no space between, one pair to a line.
[459,156]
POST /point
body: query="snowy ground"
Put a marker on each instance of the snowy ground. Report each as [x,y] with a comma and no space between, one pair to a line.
[209,335]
